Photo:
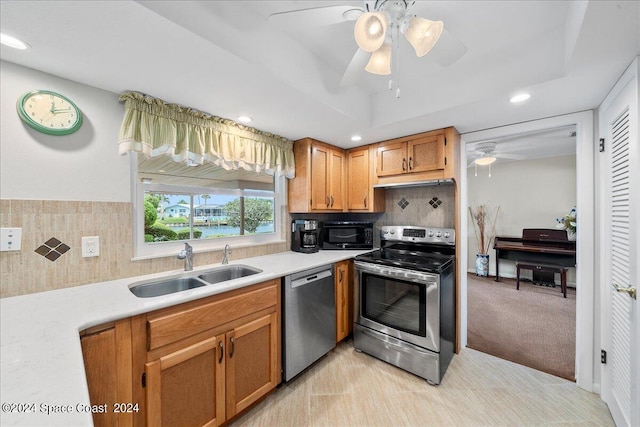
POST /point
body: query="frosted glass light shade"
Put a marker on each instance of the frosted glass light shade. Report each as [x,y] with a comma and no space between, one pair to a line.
[380,61]
[370,30]
[423,34]
[484,161]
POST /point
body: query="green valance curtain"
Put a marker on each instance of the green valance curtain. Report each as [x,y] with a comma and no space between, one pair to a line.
[153,127]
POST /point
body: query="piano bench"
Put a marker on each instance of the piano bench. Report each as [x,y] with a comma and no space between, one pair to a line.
[547,268]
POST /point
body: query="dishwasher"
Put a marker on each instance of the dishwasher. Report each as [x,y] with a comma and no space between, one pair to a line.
[309,318]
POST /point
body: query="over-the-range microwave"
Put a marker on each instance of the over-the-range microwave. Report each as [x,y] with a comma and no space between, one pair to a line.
[347,235]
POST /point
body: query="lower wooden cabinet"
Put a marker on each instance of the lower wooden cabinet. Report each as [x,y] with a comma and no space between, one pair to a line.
[195,364]
[344,299]
[106,350]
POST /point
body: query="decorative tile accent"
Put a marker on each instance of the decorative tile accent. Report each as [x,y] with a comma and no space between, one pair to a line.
[52,249]
[435,202]
[403,203]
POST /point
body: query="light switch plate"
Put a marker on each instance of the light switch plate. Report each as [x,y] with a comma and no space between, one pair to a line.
[90,246]
[10,239]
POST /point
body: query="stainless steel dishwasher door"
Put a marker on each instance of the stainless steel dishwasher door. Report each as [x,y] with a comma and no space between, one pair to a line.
[309,318]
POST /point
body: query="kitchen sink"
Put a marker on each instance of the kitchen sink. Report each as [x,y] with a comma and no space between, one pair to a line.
[230,272]
[167,286]
[197,280]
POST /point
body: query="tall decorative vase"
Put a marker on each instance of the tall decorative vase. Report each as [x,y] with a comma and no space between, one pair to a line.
[482,265]
[571,235]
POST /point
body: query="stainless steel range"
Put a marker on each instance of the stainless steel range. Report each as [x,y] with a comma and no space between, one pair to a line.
[405,300]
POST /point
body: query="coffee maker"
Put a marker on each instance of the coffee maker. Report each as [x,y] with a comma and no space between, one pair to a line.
[305,235]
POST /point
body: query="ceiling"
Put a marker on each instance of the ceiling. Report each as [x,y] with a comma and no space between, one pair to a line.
[229,58]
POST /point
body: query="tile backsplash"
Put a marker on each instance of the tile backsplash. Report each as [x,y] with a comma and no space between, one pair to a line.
[432,206]
[51,255]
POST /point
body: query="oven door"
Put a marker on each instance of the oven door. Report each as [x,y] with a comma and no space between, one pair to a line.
[398,302]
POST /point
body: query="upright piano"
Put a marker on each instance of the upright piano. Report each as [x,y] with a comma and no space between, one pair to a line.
[537,245]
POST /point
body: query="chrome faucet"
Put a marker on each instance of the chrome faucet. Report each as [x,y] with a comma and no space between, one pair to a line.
[227,249]
[187,255]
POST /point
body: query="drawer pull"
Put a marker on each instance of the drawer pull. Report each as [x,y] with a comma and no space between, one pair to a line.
[221,347]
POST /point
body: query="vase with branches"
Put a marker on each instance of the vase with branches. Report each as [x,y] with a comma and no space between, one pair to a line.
[484,225]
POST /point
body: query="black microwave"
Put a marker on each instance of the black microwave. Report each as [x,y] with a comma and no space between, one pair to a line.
[347,235]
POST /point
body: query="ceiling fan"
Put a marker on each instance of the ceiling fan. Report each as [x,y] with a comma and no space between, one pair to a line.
[485,153]
[377,29]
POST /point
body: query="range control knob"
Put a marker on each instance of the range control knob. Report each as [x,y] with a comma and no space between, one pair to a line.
[385,232]
[393,231]
[447,234]
[430,234]
[439,234]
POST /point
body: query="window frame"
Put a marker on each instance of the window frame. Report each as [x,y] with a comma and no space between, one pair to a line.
[143,250]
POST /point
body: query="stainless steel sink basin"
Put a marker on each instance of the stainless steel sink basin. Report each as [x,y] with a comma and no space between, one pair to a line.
[172,285]
[230,272]
[164,287]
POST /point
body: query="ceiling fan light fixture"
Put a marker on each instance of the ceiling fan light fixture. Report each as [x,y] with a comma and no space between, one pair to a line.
[370,31]
[423,34]
[380,61]
[484,161]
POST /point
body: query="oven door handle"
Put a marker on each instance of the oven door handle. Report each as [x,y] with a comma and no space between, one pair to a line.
[399,273]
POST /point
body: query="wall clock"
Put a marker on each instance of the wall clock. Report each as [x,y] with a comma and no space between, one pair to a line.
[49,112]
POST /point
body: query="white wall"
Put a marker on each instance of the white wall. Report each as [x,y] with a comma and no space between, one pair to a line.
[84,166]
[530,193]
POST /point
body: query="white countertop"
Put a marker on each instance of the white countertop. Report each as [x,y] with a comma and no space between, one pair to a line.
[40,353]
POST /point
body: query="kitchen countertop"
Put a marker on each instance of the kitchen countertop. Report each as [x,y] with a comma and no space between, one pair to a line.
[40,354]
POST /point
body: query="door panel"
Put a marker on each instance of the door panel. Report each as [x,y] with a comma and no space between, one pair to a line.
[251,362]
[426,154]
[319,174]
[620,334]
[186,388]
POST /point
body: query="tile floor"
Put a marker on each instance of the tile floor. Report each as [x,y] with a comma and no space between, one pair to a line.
[347,388]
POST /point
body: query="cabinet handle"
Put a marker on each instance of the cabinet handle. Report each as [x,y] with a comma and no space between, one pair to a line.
[331,200]
[365,201]
[233,346]
[404,162]
[340,276]
[221,347]
[328,201]
[410,163]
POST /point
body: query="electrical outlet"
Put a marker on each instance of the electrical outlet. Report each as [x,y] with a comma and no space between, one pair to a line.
[90,246]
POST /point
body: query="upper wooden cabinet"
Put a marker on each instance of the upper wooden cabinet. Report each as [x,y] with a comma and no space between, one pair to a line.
[424,156]
[361,196]
[319,185]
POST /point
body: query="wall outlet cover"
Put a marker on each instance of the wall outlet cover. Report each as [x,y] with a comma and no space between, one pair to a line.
[10,239]
[90,246]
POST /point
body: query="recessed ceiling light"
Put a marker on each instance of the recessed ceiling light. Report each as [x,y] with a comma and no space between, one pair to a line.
[520,97]
[356,138]
[13,42]
[245,119]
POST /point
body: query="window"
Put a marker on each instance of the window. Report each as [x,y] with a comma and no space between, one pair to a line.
[204,205]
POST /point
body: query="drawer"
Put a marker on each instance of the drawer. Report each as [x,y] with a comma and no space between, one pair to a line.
[176,325]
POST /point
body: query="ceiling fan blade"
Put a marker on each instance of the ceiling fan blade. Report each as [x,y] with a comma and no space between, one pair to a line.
[509,156]
[355,68]
[314,17]
[449,49]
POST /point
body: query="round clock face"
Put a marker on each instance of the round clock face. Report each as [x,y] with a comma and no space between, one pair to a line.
[49,112]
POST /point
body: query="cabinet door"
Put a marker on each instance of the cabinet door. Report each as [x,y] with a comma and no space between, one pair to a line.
[107,361]
[343,301]
[336,180]
[251,362]
[320,158]
[426,154]
[358,180]
[186,387]
[392,159]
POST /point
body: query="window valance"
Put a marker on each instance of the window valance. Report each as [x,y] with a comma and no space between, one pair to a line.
[153,127]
